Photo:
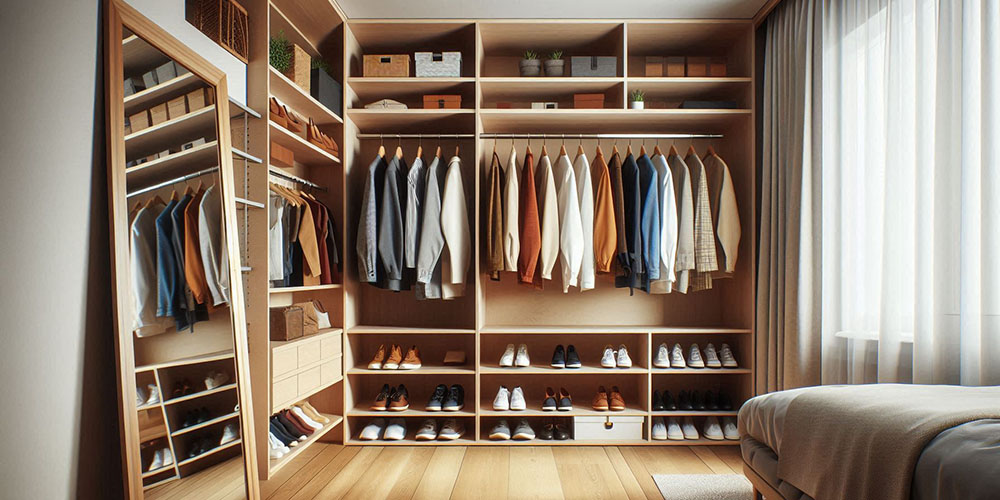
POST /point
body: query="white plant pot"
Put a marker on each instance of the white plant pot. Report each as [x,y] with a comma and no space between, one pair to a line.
[638,104]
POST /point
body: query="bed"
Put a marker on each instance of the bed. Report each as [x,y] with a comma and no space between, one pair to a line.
[884,441]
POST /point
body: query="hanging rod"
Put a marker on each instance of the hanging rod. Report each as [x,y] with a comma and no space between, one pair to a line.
[173,181]
[278,173]
[601,136]
[416,136]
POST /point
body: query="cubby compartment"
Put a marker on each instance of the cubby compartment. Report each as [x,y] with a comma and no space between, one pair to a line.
[408,37]
[432,348]
[413,423]
[202,413]
[420,386]
[410,91]
[738,388]
[582,388]
[187,382]
[504,43]
[590,348]
[727,39]
[536,422]
[520,93]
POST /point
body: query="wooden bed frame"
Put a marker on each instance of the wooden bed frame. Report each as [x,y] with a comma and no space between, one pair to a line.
[761,488]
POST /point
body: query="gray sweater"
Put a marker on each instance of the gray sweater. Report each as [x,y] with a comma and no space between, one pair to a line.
[431,238]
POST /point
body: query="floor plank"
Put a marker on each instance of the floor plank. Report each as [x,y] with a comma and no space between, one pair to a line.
[731,455]
[642,475]
[586,472]
[413,472]
[712,460]
[336,478]
[483,474]
[439,477]
[533,474]
[378,480]
[625,474]
[294,475]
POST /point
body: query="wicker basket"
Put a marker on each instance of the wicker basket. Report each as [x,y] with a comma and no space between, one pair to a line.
[225,22]
[299,71]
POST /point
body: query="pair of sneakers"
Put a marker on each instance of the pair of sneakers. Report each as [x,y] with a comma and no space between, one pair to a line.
[394,430]
[675,430]
[565,357]
[501,431]
[391,399]
[674,358]
[395,360]
[616,359]
[446,399]
[451,430]
[147,397]
[517,358]
[161,458]
[560,402]
[509,400]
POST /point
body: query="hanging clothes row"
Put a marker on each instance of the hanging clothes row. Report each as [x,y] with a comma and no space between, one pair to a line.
[179,261]
[414,227]
[666,222]
[302,240]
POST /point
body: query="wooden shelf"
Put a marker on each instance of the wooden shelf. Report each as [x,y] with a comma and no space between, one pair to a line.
[191,360]
[363,411]
[201,394]
[138,56]
[485,440]
[413,120]
[712,413]
[300,101]
[610,120]
[156,472]
[689,83]
[305,153]
[411,89]
[411,441]
[607,330]
[207,423]
[534,410]
[175,165]
[277,463]
[208,453]
[701,371]
[529,89]
[282,343]
[405,330]
[423,370]
[172,133]
[161,93]
[160,483]
[300,289]
[586,369]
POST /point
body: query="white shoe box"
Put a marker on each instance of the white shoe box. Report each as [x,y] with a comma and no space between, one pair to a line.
[608,428]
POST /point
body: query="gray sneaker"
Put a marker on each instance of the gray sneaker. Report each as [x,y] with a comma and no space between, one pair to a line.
[500,431]
[712,357]
[428,430]
[523,432]
[451,430]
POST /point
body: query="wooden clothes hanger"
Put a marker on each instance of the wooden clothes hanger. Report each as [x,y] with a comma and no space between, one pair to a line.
[710,152]
[691,150]
[173,195]
[673,151]
[656,150]
[381,147]
[420,147]
[399,149]
[629,150]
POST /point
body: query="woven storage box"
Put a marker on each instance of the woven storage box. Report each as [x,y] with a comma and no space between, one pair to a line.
[223,21]
[387,65]
[609,428]
[588,101]
[299,71]
[442,101]
[443,64]
[594,65]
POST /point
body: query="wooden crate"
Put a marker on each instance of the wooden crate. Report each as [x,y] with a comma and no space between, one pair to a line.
[697,66]
[436,101]
[387,65]
[300,72]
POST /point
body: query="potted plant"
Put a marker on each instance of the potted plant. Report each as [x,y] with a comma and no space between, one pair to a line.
[530,65]
[279,54]
[637,99]
[555,66]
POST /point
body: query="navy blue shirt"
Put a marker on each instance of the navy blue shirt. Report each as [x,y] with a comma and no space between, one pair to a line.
[633,268]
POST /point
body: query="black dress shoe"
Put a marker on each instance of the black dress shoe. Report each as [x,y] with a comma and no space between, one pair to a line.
[560,432]
[546,432]
[657,401]
[572,358]
[684,402]
[697,402]
[668,402]
[559,357]
[204,415]
[725,403]
[711,404]
[190,418]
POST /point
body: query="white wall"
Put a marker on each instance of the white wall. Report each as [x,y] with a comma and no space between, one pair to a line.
[59,435]
[169,15]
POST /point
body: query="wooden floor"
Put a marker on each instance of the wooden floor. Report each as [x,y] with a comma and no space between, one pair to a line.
[331,471]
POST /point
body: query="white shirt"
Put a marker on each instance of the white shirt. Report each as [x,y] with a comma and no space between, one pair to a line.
[585,193]
[548,217]
[511,200]
[668,226]
[455,228]
[570,225]
[275,239]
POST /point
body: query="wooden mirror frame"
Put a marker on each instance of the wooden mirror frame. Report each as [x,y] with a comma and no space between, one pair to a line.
[118,14]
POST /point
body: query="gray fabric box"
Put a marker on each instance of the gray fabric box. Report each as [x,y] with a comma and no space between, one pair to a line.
[166,72]
[446,64]
[594,66]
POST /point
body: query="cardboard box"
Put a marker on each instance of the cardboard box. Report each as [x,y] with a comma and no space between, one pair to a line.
[133,85]
[545,105]
[139,121]
[654,66]
[387,65]
[588,101]
[158,114]
[717,66]
[281,156]
[438,101]
[196,99]
[675,66]
[697,66]
[176,107]
[180,70]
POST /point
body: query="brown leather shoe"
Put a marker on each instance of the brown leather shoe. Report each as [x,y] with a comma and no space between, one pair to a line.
[376,362]
[293,122]
[412,359]
[395,357]
[600,400]
[617,402]
[400,399]
[274,112]
[381,402]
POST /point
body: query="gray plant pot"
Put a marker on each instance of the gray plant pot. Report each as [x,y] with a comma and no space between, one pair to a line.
[555,67]
[531,67]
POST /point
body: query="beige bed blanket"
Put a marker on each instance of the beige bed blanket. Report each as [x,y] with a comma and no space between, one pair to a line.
[863,441]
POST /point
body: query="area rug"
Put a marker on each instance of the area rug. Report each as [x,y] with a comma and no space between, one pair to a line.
[703,486]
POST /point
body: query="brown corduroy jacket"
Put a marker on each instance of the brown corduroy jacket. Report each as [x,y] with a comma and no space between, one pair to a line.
[494,224]
[531,234]
[605,228]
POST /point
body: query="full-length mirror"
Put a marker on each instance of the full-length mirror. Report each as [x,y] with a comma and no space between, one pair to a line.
[178,286]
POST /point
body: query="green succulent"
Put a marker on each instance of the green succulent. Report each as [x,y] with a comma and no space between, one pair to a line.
[280,54]
[637,95]
[318,63]
[530,55]
[555,54]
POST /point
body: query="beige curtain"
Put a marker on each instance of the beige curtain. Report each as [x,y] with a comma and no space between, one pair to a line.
[789,265]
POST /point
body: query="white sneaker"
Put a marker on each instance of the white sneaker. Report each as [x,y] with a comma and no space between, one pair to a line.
[508,356]
[428,430]
[662,359]
[728,360]
[659,429]
[451,430]
[157,462]
[608,358]
[216,379]
[711,357]
[140,396]
[688,428]
[502,401]
[674,432]
[517,402]
[713,430]
[522,356]
[305,418]
[276,444]
[677,357]
[729,429]
[500,431]
[396,430]
[229,434]
[694,357]
[373,430]
[524,432]
[154,394]
[168,459]
[274,451]
[623,360]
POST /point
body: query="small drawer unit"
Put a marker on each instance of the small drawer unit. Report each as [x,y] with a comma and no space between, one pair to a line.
[304,366]
[438,64]
[608,428]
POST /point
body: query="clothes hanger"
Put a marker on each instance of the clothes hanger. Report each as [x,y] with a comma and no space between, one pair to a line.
[438,152]
[562,148]
[599,152]
[629,150]
[642,147]
[710,152]
[173,195]
[420,146]
[381,147]
[579,149]
[656,149]
[399,148]
[544,152]
[456,146]
[691,150]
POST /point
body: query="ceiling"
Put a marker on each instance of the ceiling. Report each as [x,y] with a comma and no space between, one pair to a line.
[551,9]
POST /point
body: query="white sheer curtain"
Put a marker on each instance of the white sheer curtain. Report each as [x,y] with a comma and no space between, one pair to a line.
[911,191]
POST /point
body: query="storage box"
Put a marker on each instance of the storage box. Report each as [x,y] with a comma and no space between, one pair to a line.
[176,107]
[609,428]
[133,85]
[196,99]
[193,144]
[325,89]
[180,70]
[387,65]
[158,114]
[675,66]
[166,72]
[286,323]
[437,101]
[697,66]
[139,121]
[594,65]
[717,66]
[149,79]
[444,64]
[545,105]
[654,66]
[588,101]
[299,71]
[281,156]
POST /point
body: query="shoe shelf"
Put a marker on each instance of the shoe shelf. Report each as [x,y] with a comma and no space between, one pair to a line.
[277,463]
[407,330]
[156,472]
[210,452]
[586,369]
[363,411]
[300,101]
[534,410]
[693,413]
[172,133]
[200,394]
[305,152]
[605,330]
[701,371]
[161,93]
[207,423]
[425,369]
[299,289]
[410,441]
[190,360]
